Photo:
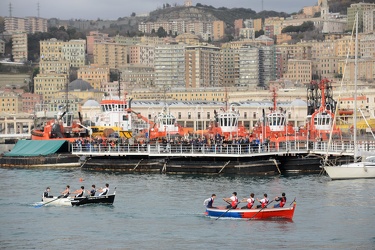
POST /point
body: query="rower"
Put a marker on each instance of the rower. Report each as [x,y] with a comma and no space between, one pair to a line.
[104,191]
[282,200]
[79,192]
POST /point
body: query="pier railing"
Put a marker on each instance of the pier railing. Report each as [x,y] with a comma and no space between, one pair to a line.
[244,150]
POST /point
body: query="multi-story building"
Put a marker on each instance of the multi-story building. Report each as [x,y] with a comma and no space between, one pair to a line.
[267,65]
[276,22]
[48,84]
[367,46]
[29,102]
[30,25]
[187,38]
[37,24]
[365,69]
[10,101]
[269,30]
[51,49]
[19,46]
[231,65]
[218,30]
[325,66]
[203,66]
[247,33]
[258,24]
[345,46]
[249,67]
[75,52]
[238,24]
[127,40]
[54,66]
[169,64]
[361,8]
[96,37]
[142,54]
[299,71]
[180,26]
[152,40]
[94,74]
[369,21]
[310,11]
[299,51]
[137,76]
[2,47]
[283,38]
[113,55]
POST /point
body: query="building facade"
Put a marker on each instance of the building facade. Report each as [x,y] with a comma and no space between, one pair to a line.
[19,46]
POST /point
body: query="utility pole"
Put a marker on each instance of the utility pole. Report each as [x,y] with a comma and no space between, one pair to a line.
[10,9]
[38,9]
[262,6]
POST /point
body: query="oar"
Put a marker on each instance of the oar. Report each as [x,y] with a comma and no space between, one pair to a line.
[292,201]
[261,209]
[226,211]
[40,205]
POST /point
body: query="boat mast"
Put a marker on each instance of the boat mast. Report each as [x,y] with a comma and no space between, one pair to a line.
[355,88]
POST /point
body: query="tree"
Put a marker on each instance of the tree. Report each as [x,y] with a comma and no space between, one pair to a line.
[133,14]
[259,33]
[161,32]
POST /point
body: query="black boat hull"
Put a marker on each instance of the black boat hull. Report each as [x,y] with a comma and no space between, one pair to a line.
[107,199]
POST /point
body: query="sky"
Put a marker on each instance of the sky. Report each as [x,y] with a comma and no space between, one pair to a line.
[113,9]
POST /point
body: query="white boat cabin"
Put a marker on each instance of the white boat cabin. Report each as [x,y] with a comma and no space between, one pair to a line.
[276,121]
[114,113]
[228,120]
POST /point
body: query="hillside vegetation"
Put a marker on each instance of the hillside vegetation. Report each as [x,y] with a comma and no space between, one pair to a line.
[209,13]
[342,5]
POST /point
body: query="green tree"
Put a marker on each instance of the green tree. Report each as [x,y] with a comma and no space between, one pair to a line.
[161,32]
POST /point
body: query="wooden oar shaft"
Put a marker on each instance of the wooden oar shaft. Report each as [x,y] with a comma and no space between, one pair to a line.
[261,209]
[227,211]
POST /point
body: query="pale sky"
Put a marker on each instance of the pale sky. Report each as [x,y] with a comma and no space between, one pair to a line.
[113,9]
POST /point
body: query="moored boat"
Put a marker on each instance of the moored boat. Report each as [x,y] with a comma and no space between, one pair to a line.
[356,170]
[285,213]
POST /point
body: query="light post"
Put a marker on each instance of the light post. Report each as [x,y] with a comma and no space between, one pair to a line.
[200,109]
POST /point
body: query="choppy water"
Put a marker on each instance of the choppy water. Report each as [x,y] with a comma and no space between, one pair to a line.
[153,211]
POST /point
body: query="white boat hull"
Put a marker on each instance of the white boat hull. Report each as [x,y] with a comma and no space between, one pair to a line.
[57,201]
[359,170]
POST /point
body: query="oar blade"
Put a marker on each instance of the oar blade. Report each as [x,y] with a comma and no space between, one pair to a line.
[38,205]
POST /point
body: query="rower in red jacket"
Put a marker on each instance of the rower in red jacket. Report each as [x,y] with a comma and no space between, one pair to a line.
[282,200]
[263,202]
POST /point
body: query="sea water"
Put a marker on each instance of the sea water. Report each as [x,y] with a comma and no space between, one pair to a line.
[155,211]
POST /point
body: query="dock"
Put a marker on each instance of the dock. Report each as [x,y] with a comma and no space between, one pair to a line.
[216,159]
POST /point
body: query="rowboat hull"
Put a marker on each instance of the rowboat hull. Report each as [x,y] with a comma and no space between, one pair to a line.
[108,199]
[285,213]
[77,201]
[55,201]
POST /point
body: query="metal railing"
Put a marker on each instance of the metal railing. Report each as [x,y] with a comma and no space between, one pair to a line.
[346,148]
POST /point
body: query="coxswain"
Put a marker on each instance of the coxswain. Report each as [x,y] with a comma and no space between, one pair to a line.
[250,202]
[282,200]
[233,201]
[209,202]
[46,193]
